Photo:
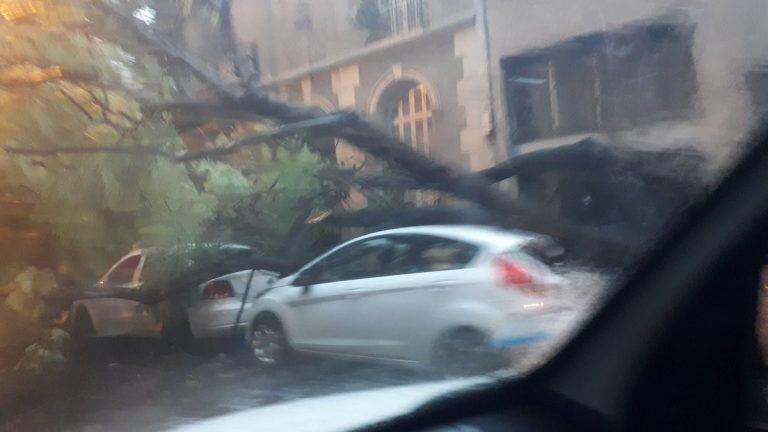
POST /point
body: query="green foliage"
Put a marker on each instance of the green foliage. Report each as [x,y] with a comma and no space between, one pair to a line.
[23,316]
[99,205]
[284,182]
[45,356]
[32,286]
[228,184]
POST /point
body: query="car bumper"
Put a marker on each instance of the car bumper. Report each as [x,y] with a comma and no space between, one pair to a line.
[220,331]
[216,318]
[532,332]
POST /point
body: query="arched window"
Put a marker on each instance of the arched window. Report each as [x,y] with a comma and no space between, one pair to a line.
[406,106]
[412,116]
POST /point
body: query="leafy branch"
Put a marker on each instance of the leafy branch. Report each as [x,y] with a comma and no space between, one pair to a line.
[248,100]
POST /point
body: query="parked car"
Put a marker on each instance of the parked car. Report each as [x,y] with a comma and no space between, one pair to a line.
[452,296]
[213,307]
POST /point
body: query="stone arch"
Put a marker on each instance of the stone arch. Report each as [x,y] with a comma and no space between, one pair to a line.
[406,106]
[389,82]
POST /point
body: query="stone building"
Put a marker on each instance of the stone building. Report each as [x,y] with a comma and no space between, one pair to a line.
[423,75]
[473,82]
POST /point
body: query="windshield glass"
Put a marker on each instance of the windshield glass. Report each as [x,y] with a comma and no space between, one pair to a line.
[467,179]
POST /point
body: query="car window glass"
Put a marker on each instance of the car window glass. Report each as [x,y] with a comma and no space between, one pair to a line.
[436,254]
[358,261]
[399,257]
[123,273]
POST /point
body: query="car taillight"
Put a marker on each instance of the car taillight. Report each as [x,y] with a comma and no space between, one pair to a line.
[515,277]
[218,290]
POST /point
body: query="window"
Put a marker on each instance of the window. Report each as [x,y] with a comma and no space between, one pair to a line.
[438,254]
[406,106]
[384,18]
[356,261]
[123,273]
[605,81]
[395,255]
[412,117]
[406,15]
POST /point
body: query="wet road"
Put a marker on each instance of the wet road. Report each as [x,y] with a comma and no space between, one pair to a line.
[139,389]
[135,385]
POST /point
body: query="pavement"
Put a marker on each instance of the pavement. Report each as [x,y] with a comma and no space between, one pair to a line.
[137,387]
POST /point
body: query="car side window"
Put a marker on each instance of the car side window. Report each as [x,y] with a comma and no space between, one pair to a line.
[123,273]
[361,260]
[437,254]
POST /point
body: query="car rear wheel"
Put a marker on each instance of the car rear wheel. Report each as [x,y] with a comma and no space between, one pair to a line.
[464,351]
[267,341]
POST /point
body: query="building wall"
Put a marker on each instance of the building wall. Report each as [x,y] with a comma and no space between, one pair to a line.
[448,57]
[285,45]
[361,84]
[729,40]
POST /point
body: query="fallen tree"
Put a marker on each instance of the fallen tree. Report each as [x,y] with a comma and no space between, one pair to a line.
[246,100]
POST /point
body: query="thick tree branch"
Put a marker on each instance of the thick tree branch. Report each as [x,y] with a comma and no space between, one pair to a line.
[200,111]
[533,161]
[395,182]
[679,167]
[366,137]
[317,126]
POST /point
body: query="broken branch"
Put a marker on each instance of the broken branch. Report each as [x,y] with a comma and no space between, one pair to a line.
[318,126]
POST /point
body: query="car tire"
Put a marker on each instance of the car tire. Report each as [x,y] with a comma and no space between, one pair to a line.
[464,351]
[267,342]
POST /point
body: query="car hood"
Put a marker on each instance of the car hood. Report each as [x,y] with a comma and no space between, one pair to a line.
[338,412]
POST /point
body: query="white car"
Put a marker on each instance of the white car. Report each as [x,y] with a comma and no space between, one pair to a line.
[214,305]
[422,295]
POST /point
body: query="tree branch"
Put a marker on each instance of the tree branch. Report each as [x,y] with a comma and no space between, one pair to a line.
[75,103]
[317,126]
[201,111]
[106,109]
[146,35]
[377,181]
[366,137]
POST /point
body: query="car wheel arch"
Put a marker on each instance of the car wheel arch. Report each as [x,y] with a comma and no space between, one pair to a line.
[82,312]
[462,328]
[437,337]
[263,316]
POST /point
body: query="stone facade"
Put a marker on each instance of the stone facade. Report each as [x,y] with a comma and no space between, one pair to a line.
[728,41]
[342,71]
[312,52]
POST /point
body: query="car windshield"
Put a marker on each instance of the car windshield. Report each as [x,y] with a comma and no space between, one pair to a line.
[211,207]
